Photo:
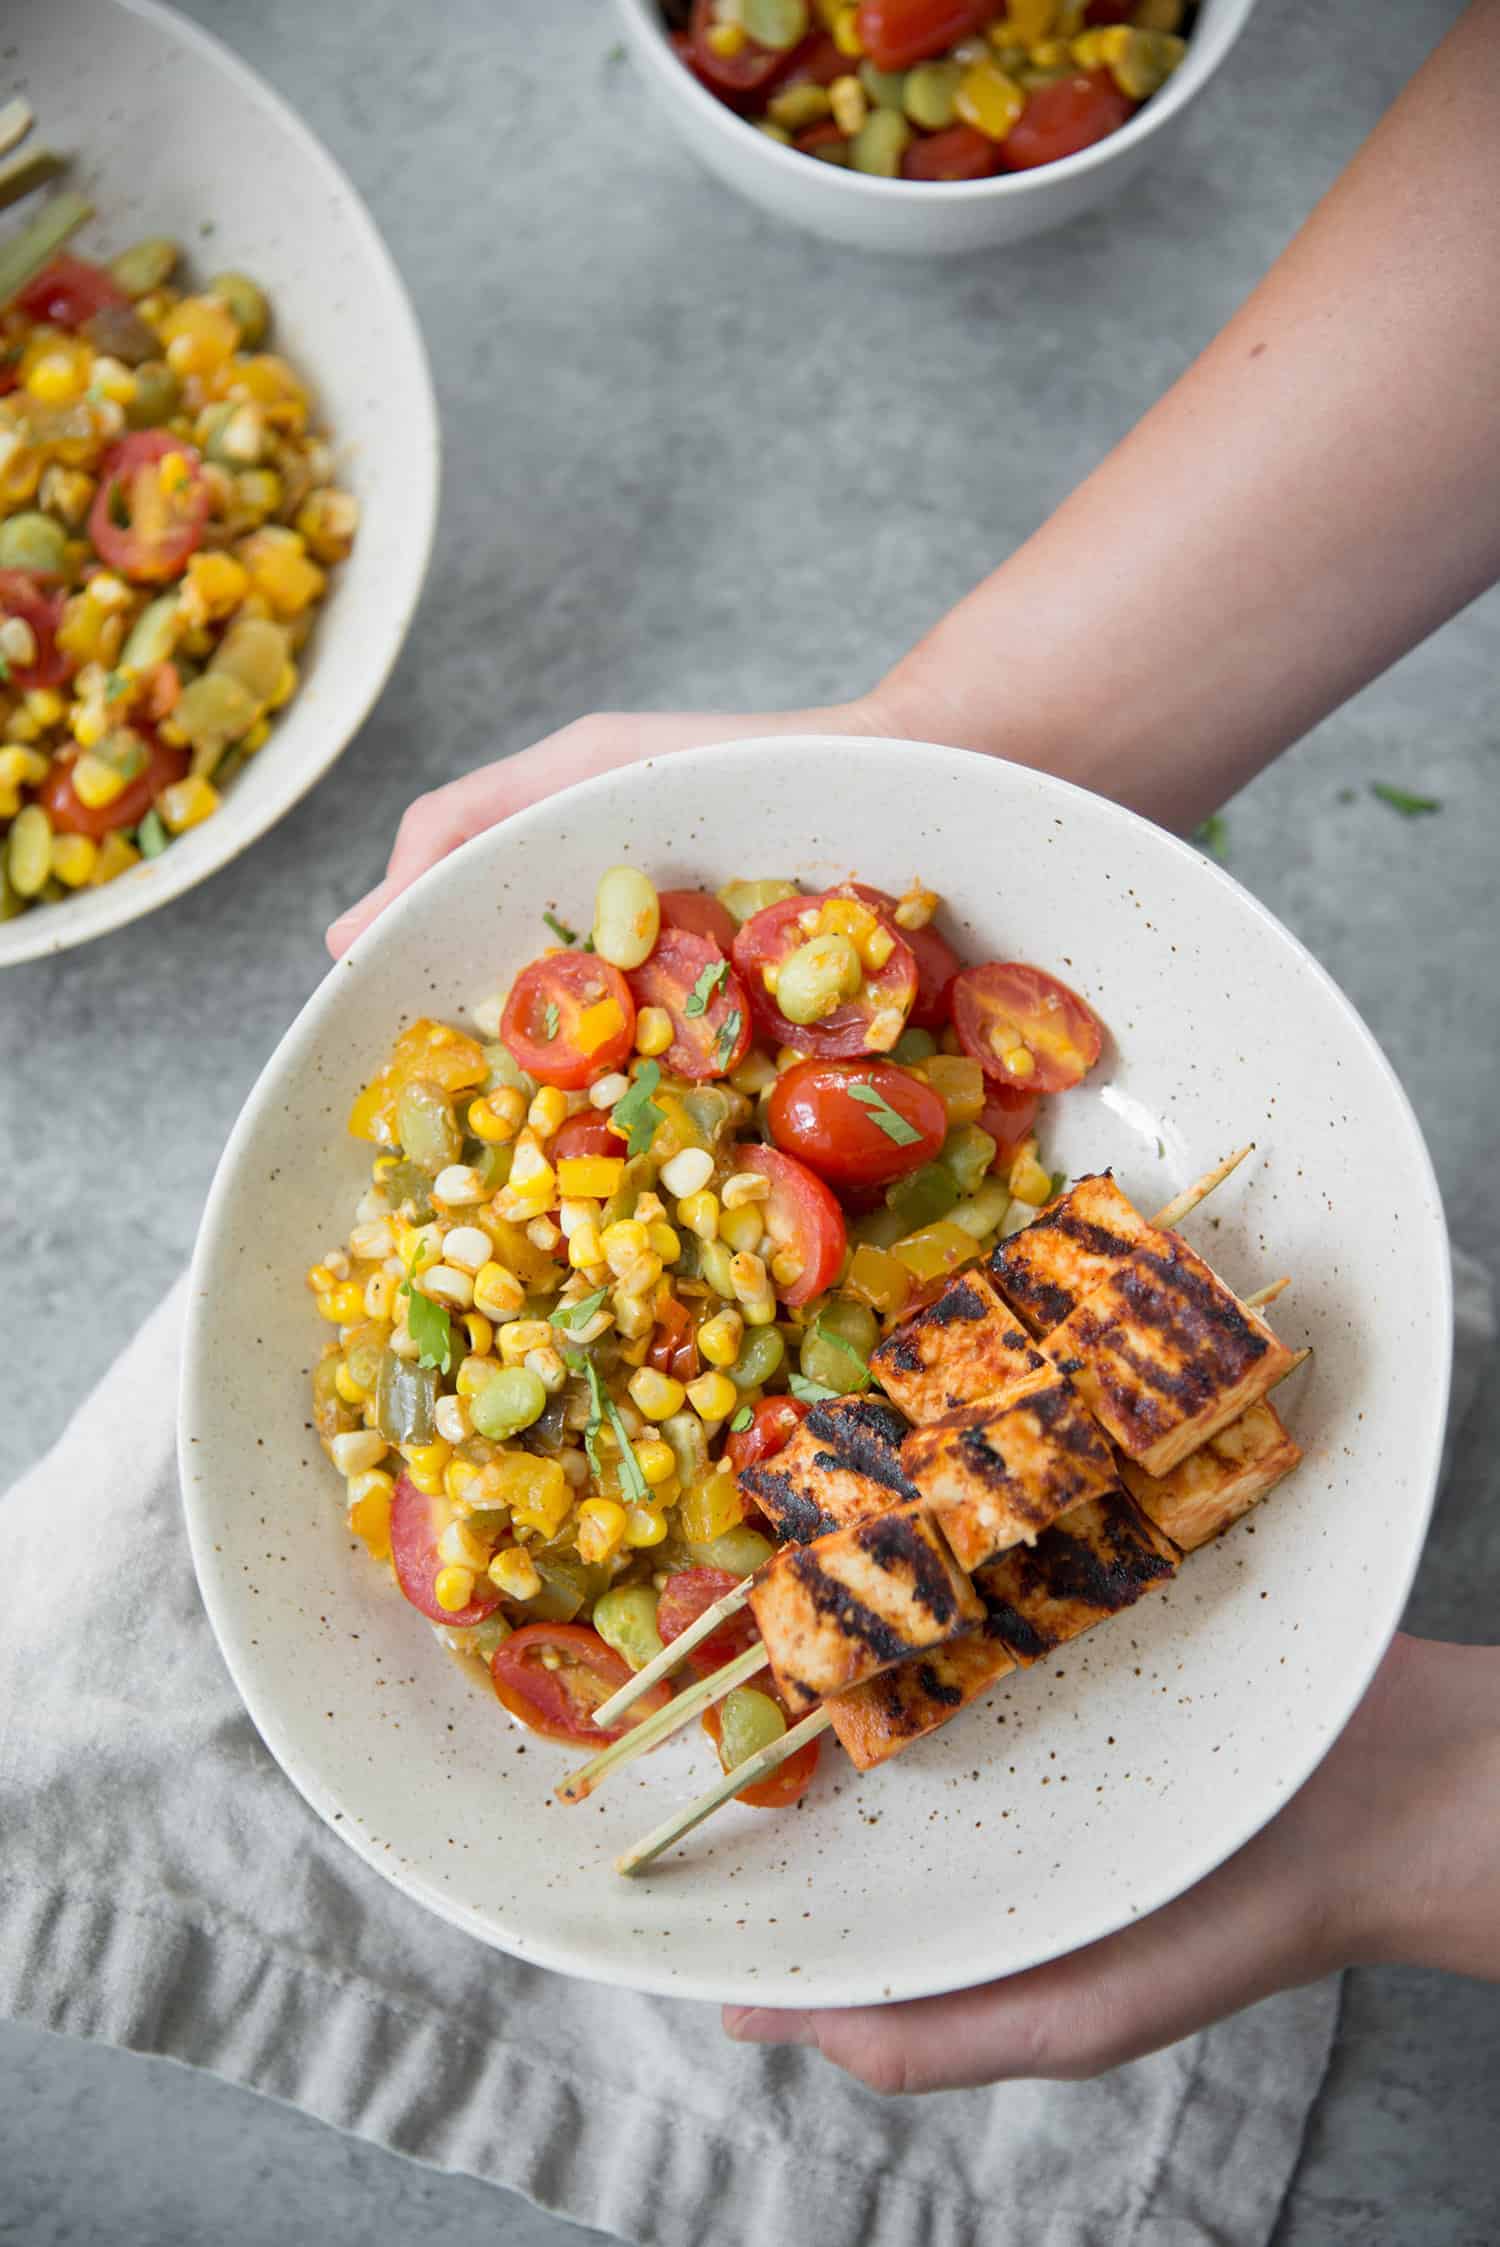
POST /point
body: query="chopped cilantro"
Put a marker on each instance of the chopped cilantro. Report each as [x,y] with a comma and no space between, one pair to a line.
[741,1420]
[560,929]
[1399,799]
[636,1113]
[550,1020]
[1213,836]
[427,1322]
[701,995]
[729,1036]
[809,1392]
[883,1115]
[151,837]
[632,1482]
[575,1316]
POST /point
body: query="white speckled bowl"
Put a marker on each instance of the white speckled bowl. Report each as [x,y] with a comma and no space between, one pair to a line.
[1088,1790]
[174,135]
[922,218]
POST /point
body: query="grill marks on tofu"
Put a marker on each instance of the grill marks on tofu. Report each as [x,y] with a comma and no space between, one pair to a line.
[842,1465]
[1045,1271]
[999,1473]
[965,1346]
[1210,1489]
[1099,1559]
[877,1720]
[835,1613]
[1164,1355]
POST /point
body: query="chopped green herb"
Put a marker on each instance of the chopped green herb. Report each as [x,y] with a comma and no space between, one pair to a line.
[636,1113]
[809,1392]
[1213,836]
[432,1331]
[151,837]
[729,1036]
[588,943]
[632,1481]
[4,672]
[701,995]
[576,1362]
[560,929]
[883,1115]
[550,1020]
[575,1316]
[1399,799]
[116,685]
[741,1420]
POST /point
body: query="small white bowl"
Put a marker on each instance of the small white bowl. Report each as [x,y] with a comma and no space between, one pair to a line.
[172,134]
[1087,1790]
[931,218]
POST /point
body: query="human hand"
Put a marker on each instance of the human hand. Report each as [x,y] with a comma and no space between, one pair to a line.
[437,823]
[1391,1851]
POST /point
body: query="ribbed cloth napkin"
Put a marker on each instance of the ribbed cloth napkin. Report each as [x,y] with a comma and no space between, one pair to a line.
[162,1887]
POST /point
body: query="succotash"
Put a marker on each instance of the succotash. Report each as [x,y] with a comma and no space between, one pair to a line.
[627,1226]
[167,520]
[932,89]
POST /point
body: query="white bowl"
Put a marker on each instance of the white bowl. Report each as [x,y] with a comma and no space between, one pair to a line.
[172,134]
[926,218]
[1083,1792]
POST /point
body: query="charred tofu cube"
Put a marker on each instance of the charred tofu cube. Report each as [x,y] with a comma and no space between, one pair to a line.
[1099,1559]
[877,1720]
[1164,1355]
[965,1346]
[1223,1479]
[835,1613]
[843,1463]
[1000,1473]
[1045,1271]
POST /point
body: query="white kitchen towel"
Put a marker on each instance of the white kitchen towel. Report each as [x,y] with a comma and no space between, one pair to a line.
[163,1888]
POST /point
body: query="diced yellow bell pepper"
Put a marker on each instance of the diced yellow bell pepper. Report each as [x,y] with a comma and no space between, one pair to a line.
[878,1278]
[935,1250]
[711,1506]
[428,1049]
[958,1082]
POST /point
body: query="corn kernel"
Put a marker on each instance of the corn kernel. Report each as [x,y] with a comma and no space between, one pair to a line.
[787,1057]
[786,1267]
[916,907]
[425,1464]
[657,1394]
[634,1316]
[458,1545]
[656,1461]
[342,1305]
[741,1228]
[644,1526]
[521,1335]
[319,1277]
[280,570]
[589,1177]
[585,1248]
[846,99]
[665,1242]
[219,583]
[369,1514]
[748,1276]
[726,39]
[96,783]
[460,1475]
[719,1338]
[625,1244]
[116,857]
[453,1588]
[473,1374]
[58,376]
[547,1111]
[653,1030]
[497,1292]
[602,1523]
[1028,1181]
[187,803]
[21,767]
[347,1387]
[713,1396]
[989,99]
[755,1074]
[846,32]
[541,1496]
[514,1573]
[485,1122]
[479,1334]
[700,1214]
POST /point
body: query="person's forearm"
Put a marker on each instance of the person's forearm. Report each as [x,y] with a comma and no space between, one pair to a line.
[1317,493]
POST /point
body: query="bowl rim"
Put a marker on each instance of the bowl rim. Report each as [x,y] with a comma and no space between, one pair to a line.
[642,18]
[43,933]
[628,1968]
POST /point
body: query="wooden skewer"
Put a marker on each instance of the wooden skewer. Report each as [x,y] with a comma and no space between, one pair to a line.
[609,1712]
[15,123]
[653,1729]
[1188,1200]
[1267,1294]
[747,1774]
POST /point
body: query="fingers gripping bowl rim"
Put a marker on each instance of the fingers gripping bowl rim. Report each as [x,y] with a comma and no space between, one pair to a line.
[144,96]
[1197,1720]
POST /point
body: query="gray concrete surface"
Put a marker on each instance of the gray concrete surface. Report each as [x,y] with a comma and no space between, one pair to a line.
[696,460]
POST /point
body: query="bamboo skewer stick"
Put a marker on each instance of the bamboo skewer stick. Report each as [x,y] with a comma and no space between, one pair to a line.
[654,1729]
[1267,1294]
[1181,1205]
[746,1774]
[661,1665]
[16,122]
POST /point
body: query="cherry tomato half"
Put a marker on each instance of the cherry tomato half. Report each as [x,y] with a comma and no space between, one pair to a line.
[138,527]
[710,1036]
[830,1114]
[773,1423]
[673,1347]
[22,596]
[1060,119]
[69,815]
[558,1699]
[750,70]
[787,1784]
[801,1217]
[897,33]
[958,152]
[684,1597]
[771,936]
[569,1018]
[417,1522]
[1004,1001]
[588,1134]
[700,913]
[70,291]
[937,962]
[1007,1116]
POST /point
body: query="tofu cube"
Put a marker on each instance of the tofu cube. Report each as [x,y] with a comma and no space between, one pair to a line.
[877,1720]
[1098,1559]
[998,1474]
[843,1463]
[965,1346]
[1219,1482]
[1045,1271]
[835,1613]
[1164,1355]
